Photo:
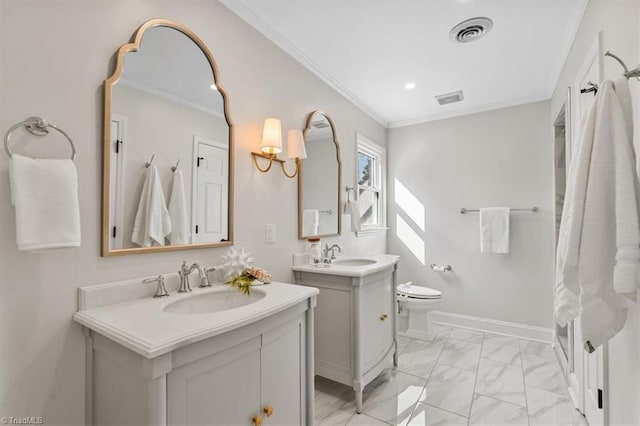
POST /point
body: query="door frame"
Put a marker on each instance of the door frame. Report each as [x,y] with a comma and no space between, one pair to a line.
[119,160]
[588,402]
[197,140]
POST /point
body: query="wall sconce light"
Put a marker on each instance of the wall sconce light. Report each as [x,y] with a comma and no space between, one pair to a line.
[271,146]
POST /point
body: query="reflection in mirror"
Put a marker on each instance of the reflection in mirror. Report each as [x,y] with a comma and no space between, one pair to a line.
[168,152]
[319,180]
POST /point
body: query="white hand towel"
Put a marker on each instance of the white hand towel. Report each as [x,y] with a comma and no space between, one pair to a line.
[310,222]
[352,208]
[494,230]
[45,195]
[180,224]
[152,223]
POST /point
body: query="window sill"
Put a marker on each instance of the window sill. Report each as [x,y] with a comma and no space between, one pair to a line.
[371,231]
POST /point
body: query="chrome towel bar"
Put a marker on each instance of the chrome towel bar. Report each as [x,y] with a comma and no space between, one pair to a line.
[531,210]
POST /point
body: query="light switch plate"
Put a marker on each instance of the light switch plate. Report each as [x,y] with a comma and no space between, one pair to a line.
[270,233]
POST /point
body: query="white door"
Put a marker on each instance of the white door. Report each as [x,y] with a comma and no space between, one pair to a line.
[590,369]
[210,191]
[118,136]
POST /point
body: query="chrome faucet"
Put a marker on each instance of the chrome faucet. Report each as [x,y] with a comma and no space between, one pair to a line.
[203,275]
[161,291]
[184,276]
[326,258]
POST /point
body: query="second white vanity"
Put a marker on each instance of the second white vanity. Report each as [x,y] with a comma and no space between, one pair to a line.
[355,318]
[210,357]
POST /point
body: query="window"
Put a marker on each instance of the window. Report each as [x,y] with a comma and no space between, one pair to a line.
[371,162]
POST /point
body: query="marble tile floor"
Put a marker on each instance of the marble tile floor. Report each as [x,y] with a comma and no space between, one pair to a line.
[462,377]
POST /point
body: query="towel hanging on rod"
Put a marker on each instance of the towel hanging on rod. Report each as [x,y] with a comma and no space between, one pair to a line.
[37,126]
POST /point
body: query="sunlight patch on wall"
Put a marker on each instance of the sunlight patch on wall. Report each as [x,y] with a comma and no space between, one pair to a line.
[410,238]
[409,203]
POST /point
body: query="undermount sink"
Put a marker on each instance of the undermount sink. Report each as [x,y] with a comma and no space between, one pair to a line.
[213,302]
[354,262]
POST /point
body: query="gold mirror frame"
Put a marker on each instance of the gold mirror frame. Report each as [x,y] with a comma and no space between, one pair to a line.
[134,46]
[307,127]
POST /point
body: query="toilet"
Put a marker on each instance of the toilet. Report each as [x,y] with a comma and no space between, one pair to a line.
[414,304]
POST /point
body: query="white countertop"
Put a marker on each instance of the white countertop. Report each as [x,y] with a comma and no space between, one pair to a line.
[383,261]
[142,326]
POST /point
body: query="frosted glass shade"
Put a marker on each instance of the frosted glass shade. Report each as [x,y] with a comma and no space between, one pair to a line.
[295,145]
[271,136]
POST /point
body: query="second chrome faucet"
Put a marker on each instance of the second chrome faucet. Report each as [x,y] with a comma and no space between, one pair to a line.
[329,253]
[185,271]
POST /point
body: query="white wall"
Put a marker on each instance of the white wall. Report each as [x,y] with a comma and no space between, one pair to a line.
[55,56]
[163,128]
[619,23]
[497,158]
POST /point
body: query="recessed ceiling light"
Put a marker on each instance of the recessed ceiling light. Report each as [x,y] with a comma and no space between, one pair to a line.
[409,86]
[213,86]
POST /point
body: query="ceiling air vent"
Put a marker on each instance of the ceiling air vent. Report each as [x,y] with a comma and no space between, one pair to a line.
[471,30]
[449,98]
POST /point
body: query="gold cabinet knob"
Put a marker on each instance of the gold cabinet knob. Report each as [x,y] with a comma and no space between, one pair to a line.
[383,317]
[268,410]
[257,420]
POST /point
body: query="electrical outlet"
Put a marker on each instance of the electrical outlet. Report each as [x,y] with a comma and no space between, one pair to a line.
[270,233]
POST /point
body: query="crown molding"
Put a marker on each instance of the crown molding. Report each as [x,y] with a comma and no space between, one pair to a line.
[151,90]
[473,110]
[239,8]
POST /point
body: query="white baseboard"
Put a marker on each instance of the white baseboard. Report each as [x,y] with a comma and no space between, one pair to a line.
[520,331]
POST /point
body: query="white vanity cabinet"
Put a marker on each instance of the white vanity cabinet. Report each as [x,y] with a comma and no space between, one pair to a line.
[355,332]
[257,370]
[263,376]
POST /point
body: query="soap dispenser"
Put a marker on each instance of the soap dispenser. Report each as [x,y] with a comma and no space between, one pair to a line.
[314,250]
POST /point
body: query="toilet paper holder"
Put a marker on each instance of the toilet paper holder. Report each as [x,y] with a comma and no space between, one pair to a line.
[443,268]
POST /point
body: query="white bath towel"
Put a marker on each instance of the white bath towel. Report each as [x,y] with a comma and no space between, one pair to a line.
[567,289]
[152,223]
[599,247]
[351,208]
[494,230]
[180,223]
[310,222]
[626,274]
[45,195]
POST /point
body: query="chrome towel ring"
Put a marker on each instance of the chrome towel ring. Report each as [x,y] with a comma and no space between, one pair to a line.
[37,126]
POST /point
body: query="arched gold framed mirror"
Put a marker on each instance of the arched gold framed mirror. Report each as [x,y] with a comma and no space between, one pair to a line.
[168,141]
[320,180]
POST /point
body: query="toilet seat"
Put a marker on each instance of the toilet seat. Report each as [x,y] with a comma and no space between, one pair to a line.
[418,292]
